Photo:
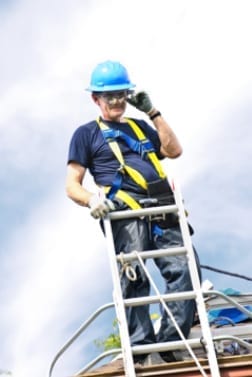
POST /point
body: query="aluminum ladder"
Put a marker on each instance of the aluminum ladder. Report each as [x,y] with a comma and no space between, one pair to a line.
[120,304]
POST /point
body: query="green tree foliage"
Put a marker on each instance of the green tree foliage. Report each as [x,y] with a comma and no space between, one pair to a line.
[113,339]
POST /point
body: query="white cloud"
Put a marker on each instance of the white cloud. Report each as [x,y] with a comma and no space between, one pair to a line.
[55,264]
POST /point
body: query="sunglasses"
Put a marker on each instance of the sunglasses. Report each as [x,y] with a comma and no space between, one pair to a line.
[112,98]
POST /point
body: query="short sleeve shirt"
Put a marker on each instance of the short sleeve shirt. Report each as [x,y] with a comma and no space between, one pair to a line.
[89,148]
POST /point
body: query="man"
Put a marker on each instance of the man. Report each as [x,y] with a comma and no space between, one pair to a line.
[131,178]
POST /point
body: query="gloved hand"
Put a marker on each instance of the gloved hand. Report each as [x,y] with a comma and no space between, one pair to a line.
[141,101]
[100,206]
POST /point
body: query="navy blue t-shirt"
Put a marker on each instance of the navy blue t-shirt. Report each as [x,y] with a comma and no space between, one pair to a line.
[89,149]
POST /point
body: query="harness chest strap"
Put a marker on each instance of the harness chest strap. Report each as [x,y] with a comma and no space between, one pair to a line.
[138,146]
[134,174]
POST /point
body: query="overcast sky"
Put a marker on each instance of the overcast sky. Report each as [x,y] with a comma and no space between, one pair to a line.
[194,59]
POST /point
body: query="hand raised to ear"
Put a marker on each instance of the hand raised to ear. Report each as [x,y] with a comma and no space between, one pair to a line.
[141,101]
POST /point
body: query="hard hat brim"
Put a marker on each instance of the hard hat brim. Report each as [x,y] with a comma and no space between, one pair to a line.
[109,88]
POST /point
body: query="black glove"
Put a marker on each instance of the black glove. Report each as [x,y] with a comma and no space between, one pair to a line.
[141,101]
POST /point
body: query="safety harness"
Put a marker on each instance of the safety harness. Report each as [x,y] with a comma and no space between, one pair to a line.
[142,146]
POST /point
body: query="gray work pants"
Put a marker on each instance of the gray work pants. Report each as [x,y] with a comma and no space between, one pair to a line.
[133,234]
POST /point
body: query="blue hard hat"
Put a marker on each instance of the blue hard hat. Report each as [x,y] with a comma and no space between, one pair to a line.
[109,76]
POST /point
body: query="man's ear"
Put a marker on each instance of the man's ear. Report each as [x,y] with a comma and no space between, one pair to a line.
[95,98]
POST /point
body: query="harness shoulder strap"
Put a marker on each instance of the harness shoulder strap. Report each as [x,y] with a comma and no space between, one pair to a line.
[151,154]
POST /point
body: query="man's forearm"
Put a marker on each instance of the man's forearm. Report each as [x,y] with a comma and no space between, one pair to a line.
[170,145]
[78,194]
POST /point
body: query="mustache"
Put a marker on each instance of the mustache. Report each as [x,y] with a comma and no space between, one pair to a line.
[119,101]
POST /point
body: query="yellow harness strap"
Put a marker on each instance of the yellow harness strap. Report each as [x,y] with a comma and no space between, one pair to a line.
[125,198]
[152,155]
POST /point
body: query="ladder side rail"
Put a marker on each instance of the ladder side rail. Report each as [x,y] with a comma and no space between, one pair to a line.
[119,302]
[77,334]
[97,359]
[212,359]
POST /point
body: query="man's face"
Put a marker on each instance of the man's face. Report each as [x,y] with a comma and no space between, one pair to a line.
[112,104]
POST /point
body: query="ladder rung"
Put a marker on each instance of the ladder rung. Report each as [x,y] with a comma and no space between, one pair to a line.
[180,345]
[166,346]
[152,253]
[178,296]
[129,213]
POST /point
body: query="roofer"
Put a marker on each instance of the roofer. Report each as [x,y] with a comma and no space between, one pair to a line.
[128,174]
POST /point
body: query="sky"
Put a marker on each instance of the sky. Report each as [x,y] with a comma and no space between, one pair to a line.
[194,60]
